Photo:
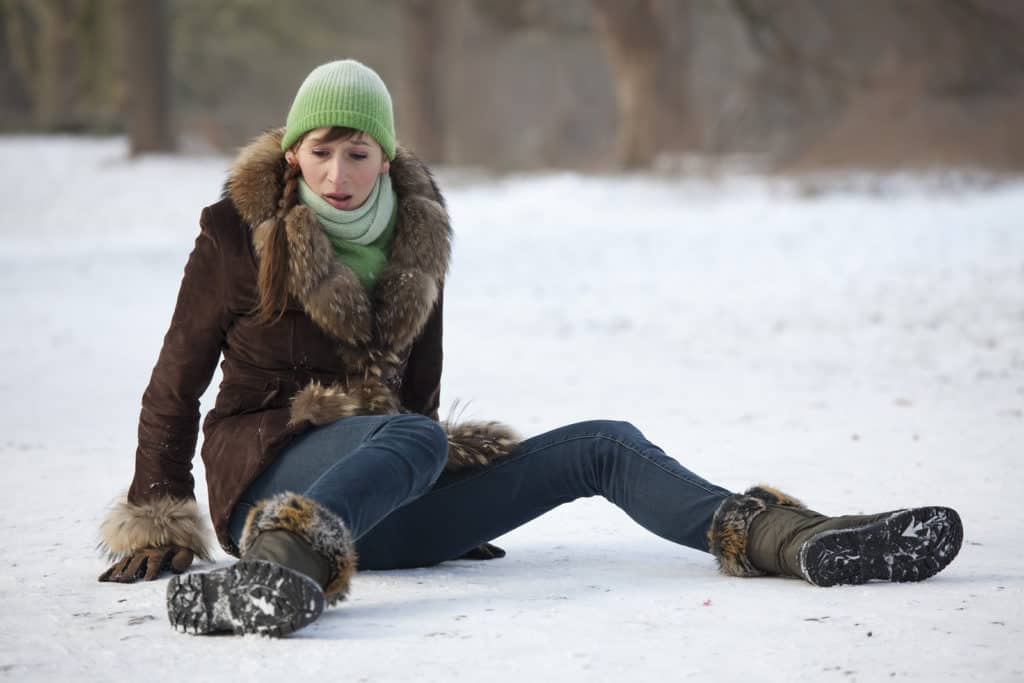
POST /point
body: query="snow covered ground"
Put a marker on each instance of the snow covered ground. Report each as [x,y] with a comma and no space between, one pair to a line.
[862,349]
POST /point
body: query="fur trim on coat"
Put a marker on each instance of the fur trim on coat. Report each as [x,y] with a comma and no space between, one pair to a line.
[331,294]
[317,404]
[160,522]
[323,530]
[374,329]
[375,352]
[730,527]
[470,444]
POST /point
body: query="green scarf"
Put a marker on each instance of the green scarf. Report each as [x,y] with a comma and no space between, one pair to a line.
[360,237]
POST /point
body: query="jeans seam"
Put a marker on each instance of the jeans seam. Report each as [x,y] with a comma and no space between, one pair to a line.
[504,461]
[631,447]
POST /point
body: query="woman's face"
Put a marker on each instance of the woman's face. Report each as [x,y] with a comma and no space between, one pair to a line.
[343,172]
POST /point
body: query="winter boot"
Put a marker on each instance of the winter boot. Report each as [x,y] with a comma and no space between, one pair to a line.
[764,531]
[296,556]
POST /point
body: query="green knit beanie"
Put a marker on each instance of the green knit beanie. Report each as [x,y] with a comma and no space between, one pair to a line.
[344,93]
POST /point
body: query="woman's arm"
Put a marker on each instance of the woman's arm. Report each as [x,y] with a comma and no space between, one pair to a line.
[159,510]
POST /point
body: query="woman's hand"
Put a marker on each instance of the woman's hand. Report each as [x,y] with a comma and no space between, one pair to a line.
[148,563]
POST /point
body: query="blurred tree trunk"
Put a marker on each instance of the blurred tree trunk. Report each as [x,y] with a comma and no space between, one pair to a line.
[632,40]
[423,36]
[15,68]
[43,50]
[144,59]
[58,62]
[886,83]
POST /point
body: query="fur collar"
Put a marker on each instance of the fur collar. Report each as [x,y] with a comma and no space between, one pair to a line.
[386,321]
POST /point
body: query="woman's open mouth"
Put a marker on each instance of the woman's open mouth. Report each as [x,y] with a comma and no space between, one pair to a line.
[338,200]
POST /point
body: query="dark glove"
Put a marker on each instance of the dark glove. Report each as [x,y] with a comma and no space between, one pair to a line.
[147,564]
[484,551]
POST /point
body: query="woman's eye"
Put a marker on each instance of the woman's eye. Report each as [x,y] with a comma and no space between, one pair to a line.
[358,156]
[321,153]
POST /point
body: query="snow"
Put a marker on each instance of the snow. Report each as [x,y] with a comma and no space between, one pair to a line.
[859,347]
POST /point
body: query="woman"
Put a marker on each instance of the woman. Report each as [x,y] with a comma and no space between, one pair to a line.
[319,279]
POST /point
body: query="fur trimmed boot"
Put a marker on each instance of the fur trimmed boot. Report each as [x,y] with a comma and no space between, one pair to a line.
[764,531]
[297,556]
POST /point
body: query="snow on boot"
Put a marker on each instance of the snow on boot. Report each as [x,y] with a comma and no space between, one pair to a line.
[765,531]
[296,556]
[250,596]
[905,545]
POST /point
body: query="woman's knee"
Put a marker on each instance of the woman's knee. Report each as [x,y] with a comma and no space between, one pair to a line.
[427,434]
[430,431]
[614,428]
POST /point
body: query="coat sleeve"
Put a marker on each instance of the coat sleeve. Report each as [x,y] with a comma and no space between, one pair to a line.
[159,508]
[421,382]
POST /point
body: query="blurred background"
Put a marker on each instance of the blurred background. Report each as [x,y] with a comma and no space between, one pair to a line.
[522,84]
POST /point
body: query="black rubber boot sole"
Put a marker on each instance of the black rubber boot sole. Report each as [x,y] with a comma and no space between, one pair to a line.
[251,596]
[908,545]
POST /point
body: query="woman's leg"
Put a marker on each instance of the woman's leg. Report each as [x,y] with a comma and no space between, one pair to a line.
[762,531]
[612,459]
[359,468]
[295,525]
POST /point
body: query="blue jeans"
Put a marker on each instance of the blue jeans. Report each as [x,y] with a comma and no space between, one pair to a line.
[383,475]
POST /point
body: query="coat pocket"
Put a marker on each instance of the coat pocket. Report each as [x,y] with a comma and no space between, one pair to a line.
[242,397]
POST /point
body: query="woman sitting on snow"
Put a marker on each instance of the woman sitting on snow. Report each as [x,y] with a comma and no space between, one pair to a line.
[319,278]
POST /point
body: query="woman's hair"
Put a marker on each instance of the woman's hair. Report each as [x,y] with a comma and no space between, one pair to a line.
[273,274]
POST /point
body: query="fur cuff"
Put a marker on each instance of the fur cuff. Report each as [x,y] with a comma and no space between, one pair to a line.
[474,444]
[130,527]
[772,495]
[730,527]
[313,523]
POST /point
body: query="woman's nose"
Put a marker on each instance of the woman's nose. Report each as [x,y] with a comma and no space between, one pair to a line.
[336,172]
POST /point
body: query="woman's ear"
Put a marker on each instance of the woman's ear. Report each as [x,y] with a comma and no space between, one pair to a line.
[290,157]
[385,167]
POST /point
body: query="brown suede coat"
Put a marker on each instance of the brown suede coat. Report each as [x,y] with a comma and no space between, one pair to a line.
[337,351]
